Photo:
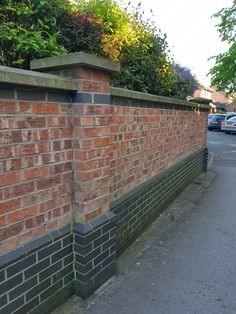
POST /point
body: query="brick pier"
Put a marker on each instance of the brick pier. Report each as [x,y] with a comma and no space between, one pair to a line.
[84,168]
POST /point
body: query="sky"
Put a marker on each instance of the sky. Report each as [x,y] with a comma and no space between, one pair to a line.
[191,32]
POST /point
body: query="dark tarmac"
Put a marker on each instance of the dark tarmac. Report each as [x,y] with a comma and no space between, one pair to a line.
[185,263]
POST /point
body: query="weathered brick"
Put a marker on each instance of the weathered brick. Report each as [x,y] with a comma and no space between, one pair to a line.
[3,300]
[38,289]
[34,173]
[50,291]
[9,178]
[25,286]
[22,214]
[48,182]
[11,307]
[45,109]
[9,231]
[27,149]
[37,268]
[10,205]
[7,107]
[35,221]
[50,271]
[11,283]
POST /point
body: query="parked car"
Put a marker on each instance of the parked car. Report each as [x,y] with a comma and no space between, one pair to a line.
[229,125]
[210,116]
[214,123]
[230,115]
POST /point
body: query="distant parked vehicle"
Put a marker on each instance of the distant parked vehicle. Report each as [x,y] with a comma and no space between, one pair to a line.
[230,115]
[215,122]
[229,125]
[210,116]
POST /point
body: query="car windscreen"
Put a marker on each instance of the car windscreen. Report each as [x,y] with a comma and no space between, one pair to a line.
[218,118]
[232,119]
[230,116]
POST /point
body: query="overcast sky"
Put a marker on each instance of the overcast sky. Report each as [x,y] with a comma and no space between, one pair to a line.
[191,32]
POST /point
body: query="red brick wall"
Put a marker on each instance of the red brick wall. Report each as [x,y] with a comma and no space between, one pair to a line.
[219,97]
[55,156]
[92,155]
[35,170]
[146,141]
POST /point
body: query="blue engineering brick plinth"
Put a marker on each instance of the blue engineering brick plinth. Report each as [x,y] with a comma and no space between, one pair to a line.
[95,253]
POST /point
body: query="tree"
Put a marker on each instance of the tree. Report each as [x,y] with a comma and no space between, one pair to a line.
[28,30]
[137,44]
[81,32]
[186,82]
[35,29]
[224,72]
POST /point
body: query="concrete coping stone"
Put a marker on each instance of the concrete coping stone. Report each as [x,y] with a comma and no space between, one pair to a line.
[126,93]
[31,78]
[72,60]
[86,228]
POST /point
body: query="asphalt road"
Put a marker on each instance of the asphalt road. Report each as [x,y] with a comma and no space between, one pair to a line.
[190,266]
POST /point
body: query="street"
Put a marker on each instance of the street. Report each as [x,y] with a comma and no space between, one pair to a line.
[186,262]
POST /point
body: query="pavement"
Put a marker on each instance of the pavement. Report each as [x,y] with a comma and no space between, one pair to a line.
[185,262]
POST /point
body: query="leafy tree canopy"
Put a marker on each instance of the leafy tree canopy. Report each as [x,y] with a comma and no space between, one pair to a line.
[224,72]
[34,29]
[28,30]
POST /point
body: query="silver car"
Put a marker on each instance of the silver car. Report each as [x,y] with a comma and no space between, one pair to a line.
[229,125]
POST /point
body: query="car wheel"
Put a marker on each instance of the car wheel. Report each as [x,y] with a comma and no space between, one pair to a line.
[209,129]
[227,132]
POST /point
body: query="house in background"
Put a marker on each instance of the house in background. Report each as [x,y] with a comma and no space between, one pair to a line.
[203,94]
[218,100]
[231,106]
[222,101]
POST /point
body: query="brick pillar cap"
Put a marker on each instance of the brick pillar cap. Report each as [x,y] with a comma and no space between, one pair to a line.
[72,60]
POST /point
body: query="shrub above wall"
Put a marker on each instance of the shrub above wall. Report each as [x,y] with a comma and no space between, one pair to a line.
[37,29]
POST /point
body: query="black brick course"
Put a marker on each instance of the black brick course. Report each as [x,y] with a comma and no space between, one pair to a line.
[91,256]
[45,272]
[122,101]
[33,94]
[138,208]
[25,286]
[11,307]
[33,274]
[23,264]
[48,250]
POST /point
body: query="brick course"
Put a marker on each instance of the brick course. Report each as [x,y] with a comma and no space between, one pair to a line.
[36,171]
[138,208]
[42,268]
[148,138]
[82,173]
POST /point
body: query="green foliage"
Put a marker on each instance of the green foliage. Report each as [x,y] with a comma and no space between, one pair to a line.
[28,30]
[32,29]
[81,32]
[140,48]
[185,82]
[117,24]
[224,72]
